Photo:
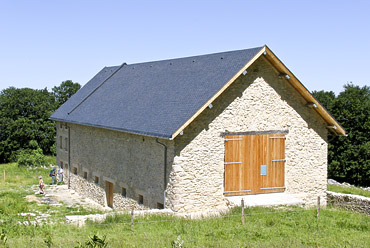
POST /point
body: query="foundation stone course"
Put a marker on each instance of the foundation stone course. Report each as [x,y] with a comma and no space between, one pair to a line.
[356,203]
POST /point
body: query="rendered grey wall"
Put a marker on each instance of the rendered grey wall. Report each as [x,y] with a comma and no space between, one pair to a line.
[128,161]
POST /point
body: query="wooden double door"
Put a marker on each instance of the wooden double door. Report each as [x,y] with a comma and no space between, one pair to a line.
[254,164]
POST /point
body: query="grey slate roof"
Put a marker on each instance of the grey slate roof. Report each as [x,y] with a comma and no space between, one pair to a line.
[152,98]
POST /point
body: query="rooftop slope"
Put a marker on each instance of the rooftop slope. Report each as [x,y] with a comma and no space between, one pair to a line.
[153,98]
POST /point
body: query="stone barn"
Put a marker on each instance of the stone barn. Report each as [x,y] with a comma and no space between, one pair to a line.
[189,134]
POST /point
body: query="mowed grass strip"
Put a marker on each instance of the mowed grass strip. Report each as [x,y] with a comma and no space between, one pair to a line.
[349,190]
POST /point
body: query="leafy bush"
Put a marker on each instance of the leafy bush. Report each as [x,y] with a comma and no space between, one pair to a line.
[3,237]
[31,158]
[53,149]
[48,241]
[178,243]
[93,242]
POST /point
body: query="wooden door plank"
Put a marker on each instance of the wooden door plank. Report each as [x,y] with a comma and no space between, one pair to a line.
[248,175]
[257,163]
[276,172]
[228,169]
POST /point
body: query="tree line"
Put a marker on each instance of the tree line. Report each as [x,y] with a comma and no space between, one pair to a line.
[25,127]
[349,156]
[24,119]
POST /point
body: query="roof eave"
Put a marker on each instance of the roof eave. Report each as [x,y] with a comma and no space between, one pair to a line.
[153,135]
[332,124]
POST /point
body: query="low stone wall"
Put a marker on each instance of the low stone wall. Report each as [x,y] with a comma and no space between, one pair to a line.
[350,202]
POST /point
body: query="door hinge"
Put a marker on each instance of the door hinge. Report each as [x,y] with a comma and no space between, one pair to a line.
[233,139]
[233,162]
[240,191]
[278,160]
[274,188]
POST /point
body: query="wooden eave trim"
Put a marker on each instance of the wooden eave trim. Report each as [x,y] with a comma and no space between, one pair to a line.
[250,62]
[275,61]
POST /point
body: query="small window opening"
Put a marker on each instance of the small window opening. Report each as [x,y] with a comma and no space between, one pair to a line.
[141,199]
[61,164]
[124,194]
[160,205]
[96,179]
[85,174]
[75,170]
[66,144]
[61,125]
[60,142]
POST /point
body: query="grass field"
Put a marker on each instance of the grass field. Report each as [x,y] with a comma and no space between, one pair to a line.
[349,190]
[264,227]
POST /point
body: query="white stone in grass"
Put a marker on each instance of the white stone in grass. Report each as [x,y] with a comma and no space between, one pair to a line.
[25,214]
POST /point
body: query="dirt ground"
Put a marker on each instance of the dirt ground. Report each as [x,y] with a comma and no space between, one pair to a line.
[58,194]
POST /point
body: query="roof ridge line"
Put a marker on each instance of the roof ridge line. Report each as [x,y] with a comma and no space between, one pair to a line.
[119,68]
[192,56]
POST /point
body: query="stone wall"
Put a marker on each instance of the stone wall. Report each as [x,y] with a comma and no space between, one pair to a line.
[350,202]
[62,146]
[258,101]
[92,191]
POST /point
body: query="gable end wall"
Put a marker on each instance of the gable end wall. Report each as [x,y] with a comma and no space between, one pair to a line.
[258,101]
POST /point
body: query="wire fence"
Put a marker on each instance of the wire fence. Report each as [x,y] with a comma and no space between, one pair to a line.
[140,221]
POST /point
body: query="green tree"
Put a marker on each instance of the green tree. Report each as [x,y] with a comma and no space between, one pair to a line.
[32,156]
[349,157]
[326,98]
[65,90]
[24,116]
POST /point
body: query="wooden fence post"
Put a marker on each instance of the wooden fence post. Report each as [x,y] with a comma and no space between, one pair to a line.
[28,219]
[318,207]
[242,211]
[132,218]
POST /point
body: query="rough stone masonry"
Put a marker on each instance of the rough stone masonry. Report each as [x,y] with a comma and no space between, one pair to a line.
[257,101]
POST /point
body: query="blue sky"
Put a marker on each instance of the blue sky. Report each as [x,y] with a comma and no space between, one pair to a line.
[326,44]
